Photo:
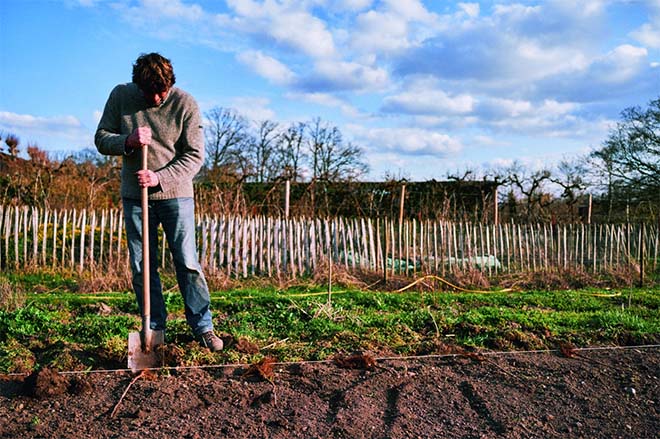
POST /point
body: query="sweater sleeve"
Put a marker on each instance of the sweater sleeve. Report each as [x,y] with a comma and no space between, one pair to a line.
[108,139]
[190,152]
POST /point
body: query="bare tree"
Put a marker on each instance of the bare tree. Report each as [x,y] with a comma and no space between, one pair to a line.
[531,185]
[331,159]
[569,177]
[226,136]
[291,152]
[263,151]
[37,155]
[631,153]
[12,142]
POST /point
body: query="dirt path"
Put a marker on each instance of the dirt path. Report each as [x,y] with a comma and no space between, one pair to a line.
[597,394]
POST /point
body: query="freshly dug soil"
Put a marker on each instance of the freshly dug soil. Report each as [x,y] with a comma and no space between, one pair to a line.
[591,394]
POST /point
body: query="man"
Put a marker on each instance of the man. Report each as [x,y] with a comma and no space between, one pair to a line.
[151,112]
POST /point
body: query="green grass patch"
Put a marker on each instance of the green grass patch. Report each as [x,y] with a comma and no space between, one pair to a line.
[67,330]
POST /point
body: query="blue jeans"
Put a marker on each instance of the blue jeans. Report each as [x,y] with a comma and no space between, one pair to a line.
[177,216]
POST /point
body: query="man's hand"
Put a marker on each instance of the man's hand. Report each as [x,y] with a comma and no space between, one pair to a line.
[140,136]
[147,178]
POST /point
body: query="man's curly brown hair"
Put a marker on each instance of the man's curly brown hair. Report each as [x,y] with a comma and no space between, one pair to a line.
[153,73]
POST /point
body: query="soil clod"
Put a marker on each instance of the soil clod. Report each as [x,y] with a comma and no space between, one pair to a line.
[45,383]
[355,361]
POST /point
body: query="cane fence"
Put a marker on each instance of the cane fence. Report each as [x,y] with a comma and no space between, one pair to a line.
[267,246]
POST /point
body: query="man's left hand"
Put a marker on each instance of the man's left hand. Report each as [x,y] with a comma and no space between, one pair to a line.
[147,178]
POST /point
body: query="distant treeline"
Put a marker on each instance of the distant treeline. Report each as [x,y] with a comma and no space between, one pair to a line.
[248,165]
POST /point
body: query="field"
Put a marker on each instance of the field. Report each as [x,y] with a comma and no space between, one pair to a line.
[356,363]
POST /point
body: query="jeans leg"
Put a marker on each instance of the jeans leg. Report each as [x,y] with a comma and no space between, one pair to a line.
[178,219]
[133,221]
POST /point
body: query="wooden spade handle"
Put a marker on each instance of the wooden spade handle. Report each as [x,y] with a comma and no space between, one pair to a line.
[146,287]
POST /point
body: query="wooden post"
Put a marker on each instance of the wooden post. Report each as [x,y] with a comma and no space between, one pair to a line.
[2,215]
[25,235]
[92,235]
[269,246]
[435,247]
[17,222]
[229,222]
[401,203]
[496,207]
[287,194]
[387,249]
[292,253]
[414,246]
[641,255]
[329,274]
[35,234]
[656,245]
[65,218]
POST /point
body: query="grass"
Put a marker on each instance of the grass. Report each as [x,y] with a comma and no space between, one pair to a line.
[61,328]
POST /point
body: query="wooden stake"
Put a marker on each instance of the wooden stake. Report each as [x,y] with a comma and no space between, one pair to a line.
[287,194]
[641,255]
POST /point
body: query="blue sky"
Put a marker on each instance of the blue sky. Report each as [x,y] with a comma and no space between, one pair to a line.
[424,87]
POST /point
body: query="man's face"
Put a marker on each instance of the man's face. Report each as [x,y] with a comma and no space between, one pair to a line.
[154,99]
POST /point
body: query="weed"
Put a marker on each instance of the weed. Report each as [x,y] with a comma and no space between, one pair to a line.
[16,358]
[113,278]
[115,348]
[193,354]
[12,296]
[34,422]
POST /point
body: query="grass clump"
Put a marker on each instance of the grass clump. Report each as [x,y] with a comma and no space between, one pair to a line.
[11,296]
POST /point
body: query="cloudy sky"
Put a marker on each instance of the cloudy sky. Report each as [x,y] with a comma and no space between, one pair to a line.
[424,87]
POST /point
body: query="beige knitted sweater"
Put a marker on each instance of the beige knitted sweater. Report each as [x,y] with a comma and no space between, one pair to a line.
[176,152]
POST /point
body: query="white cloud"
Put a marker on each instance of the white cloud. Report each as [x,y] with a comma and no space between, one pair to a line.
[253,108]
[620,65]
[488,141]
[516,11]
[248,8]
[305,32]
[405,141]
[149,12]
[174,20]
[86,3]
[422,99]
[344,75]
[380,32]
[409,9]
[354,5]
[623,72]
[511,48]
[287,24]
[550,117]
[327,100]
[58,132]
[501,108]
[649,35]
[267,66]
[13,120]
[393,27]
[173,9]
[470,9]
[546,119]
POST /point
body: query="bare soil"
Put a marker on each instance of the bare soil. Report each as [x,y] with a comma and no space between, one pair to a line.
[588,394]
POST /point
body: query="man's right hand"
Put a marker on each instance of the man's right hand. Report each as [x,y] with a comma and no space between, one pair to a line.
[140,136]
